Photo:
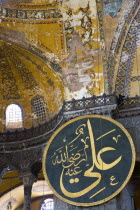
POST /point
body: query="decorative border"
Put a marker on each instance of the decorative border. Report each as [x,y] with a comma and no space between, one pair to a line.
[40,54]
[30,14]
[37,5]
[123,185]
[123,78]
[119,36]
[30,21]
[135,78]
[102,37]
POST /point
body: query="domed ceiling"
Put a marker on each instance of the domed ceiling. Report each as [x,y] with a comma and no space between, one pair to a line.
[74,34]
[67,32]
[24,76]
[46,40]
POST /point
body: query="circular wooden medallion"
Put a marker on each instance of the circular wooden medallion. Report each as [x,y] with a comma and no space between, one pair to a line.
[89,160]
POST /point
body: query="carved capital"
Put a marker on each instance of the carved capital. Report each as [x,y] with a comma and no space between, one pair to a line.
[28,179]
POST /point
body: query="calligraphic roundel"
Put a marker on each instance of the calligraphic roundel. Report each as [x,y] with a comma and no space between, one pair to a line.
[89,160]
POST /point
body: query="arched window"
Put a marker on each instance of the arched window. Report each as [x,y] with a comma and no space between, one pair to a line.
[14,119]
[47,204]
[39,110]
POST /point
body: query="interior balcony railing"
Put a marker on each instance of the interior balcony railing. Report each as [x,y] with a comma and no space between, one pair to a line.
[127,103]
[32,132]
[86,103]
[39,135]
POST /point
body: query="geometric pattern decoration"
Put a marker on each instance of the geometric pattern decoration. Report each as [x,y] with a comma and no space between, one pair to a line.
[119,35]
[38,109]
[30,14]
[126,64]
[134,78]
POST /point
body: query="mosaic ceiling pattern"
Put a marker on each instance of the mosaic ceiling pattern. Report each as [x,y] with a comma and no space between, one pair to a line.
[128,54]
[24,76]
[60,45]
[61,29]
[70,36]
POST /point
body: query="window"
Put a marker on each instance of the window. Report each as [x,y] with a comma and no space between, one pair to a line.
[14,119]
[47,204]
[39,110]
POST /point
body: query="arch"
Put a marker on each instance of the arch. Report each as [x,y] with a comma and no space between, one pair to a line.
[14,117]
[39,110]
[47,204]
[124,75]
[119,38]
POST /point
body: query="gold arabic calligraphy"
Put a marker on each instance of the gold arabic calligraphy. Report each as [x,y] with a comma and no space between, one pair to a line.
[71,161]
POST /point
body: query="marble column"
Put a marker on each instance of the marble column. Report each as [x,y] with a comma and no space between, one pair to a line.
[28,180]
[27,197]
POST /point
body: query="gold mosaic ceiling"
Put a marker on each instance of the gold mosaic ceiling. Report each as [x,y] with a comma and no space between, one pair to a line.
[24,76]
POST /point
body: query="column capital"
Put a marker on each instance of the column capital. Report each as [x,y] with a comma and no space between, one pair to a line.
[28,178]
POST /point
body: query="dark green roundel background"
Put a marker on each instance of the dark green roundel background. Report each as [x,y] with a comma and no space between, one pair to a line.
[75,156]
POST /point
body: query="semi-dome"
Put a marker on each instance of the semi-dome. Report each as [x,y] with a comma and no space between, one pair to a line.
[30,83]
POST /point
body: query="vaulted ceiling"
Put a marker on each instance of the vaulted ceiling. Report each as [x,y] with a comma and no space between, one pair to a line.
[68,49]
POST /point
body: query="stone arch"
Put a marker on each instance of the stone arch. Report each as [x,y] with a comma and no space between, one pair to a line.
[119,38]
[124,74]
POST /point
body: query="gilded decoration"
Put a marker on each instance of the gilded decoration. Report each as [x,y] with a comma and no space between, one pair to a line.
[14,2]
[30,14]
[106,73]
[9,86]
[24,76]
[58,57]
[53,26]
[85,157]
